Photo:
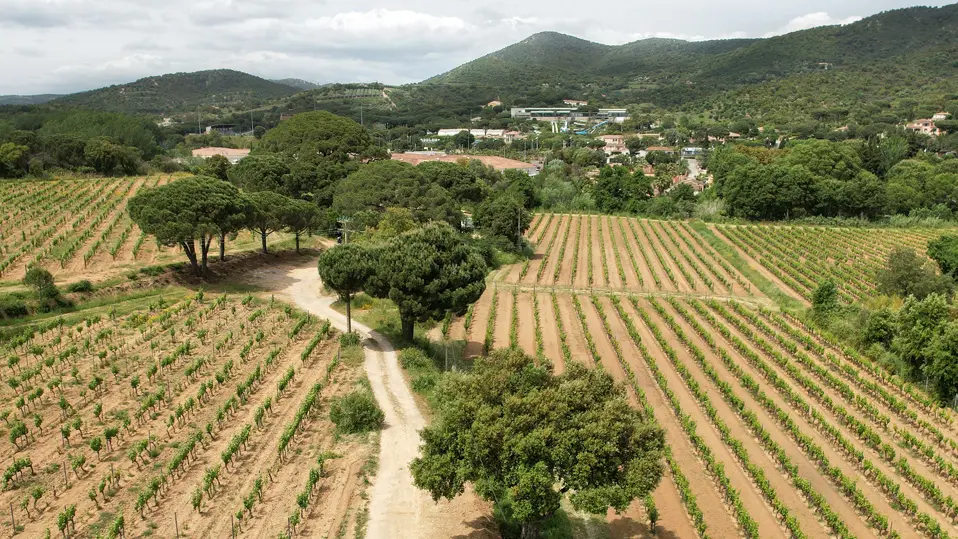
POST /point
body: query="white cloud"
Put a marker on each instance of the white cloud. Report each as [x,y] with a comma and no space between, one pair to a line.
[73,45]
[812,20]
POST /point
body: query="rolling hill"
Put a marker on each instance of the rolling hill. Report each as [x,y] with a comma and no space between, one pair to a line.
[182,92]
[906,53]
[27,99]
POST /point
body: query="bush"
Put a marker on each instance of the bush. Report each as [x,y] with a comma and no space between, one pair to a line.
[80,287]
[356,412]
[424,383]
[12,307]
[349,339]
[413,358]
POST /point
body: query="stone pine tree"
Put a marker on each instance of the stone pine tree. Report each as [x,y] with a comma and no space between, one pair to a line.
[525,437]
[346,269]
[428,272]
[266,218]
[189,211]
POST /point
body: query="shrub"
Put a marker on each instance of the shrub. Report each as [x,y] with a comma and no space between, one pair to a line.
[349,339]
[424,383]
[12,307]
[413,358]
[356,412]
[80,286]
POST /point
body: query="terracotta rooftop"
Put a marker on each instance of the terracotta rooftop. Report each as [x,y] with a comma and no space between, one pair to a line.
[210,151]
[498,163]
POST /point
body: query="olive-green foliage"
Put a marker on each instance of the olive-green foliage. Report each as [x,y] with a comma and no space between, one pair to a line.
[428,272]
[825,299]
[356,412]
[189,210]
[512,426]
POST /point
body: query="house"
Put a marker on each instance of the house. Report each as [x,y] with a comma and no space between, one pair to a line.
[691,152]
[494,103]
[924,126]
[648,170]
[663,149]
[235,155]
[223,129]
[940,116]
[614,144]
[575,102]
[697,184]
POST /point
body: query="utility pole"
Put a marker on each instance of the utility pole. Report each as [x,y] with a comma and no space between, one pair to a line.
[251,126]
[346,221]
[199,129]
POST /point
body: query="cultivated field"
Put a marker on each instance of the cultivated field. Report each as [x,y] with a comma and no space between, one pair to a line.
[81,229]
[774,431]
[189,415]
[617,254]
[799,258]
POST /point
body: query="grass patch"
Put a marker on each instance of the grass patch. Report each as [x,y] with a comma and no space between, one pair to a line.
[767,287]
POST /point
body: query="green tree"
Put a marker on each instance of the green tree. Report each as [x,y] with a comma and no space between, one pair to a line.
[428,272]
[907,273]
[346,269]
[13,160]
[825,299]
[356,412]
[265,172]
[942,366]
[321,149]
[919,322]
[216,166]
[463,140]
[300,217]
[268,211]
[944,251]
[392,184]
[503,216]
[516,431]
[41,281]
[189,210]
[109,158]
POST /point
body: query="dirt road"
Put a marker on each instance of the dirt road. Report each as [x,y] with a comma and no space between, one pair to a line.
[396,506]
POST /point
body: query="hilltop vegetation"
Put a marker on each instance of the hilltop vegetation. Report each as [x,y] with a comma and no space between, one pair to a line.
[180,92]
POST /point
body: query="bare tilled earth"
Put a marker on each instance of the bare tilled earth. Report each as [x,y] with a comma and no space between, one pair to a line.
[233,342]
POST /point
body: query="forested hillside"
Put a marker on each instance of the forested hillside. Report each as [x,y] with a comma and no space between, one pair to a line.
[180,92]
[901,55]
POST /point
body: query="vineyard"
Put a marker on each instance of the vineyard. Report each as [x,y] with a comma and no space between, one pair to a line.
[194,416]
[617,254]
[800,258]
[80,228]
[774,430]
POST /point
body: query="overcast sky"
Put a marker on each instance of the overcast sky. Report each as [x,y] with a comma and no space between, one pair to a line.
[61,46]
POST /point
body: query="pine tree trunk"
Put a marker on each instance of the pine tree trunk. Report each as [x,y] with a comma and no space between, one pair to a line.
[408,329]
[297,243]
[222,246]
[189,247]
[263,237]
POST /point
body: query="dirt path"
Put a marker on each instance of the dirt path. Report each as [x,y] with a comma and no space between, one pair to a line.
[550,333]
[480,318]
[394,502]
[503,320]
[565,270]
[631,277]
[611,248]
[527,339]
[578,347]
